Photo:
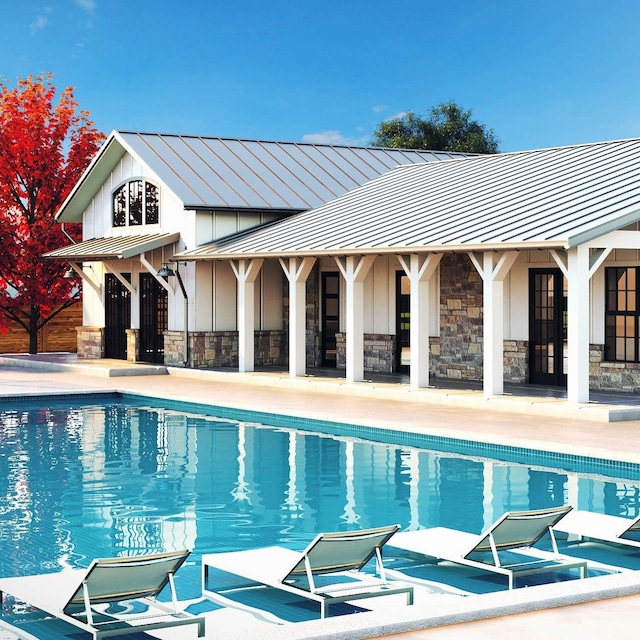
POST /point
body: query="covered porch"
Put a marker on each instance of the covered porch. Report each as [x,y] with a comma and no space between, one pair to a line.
[579,207]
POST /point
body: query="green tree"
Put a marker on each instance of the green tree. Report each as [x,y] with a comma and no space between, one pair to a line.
[449,127]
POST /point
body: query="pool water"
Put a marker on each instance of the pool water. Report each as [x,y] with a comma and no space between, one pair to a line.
[112,476]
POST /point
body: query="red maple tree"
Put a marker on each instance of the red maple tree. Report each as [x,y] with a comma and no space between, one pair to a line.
[44,148]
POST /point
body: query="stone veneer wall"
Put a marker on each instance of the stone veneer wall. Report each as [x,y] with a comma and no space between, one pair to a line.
[380,357]
[133,345]
[516,361]
[90,342]
[379,352]
[460,344]
[220,348]
[612,376]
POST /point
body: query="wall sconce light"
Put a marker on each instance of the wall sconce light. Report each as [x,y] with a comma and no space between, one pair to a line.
[165,271]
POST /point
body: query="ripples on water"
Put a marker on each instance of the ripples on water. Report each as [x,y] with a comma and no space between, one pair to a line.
[80,482]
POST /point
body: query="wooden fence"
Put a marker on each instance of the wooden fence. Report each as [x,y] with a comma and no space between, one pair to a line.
[58,334]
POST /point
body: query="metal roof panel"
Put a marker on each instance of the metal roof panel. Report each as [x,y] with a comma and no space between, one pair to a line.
[112,247]
[545,197]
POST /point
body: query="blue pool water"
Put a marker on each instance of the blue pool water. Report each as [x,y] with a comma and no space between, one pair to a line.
[111,476]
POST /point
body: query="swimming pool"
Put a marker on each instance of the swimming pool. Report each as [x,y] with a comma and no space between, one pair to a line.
[116,475]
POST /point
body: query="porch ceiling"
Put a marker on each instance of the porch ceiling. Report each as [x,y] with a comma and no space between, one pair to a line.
[112,248]
[550,198]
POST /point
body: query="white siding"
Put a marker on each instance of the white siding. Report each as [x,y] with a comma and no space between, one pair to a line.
[225,297]
[272,292]
[516,298]
[203,302]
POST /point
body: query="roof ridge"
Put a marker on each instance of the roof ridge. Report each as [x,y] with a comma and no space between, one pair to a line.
[288,142]
[523,152]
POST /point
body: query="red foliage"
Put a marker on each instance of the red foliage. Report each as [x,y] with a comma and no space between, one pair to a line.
[44,148]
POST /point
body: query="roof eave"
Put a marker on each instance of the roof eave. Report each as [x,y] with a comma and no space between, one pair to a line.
[146,244]
[600,230]
[317,253]
[92,179]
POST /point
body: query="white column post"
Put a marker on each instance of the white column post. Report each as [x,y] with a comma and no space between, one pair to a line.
[246,273]
[297,271]
[354,270]
[578,311]
[419,270]
[493,274]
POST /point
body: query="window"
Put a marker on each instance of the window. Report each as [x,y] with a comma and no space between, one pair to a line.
[622,319]
[135,203]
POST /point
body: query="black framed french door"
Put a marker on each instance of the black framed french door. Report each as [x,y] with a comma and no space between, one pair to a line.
[403,322]
[330,317]
[117,312]
[547,327]
[153,319]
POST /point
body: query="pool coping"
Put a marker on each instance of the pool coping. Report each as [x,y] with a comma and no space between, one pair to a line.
[376,624]
[517,452]
[444,397]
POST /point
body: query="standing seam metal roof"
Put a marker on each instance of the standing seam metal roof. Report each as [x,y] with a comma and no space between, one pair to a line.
[112,248]
[225,173]
[549,197]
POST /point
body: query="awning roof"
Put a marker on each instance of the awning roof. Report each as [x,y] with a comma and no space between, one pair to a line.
[112,248]
[558,198]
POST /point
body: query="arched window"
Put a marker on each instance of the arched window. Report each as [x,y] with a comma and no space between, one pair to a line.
[134,203]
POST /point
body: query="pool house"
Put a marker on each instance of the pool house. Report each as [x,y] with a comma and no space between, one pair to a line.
[516,267]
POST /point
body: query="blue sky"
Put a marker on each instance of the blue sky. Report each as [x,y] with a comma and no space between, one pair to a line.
[539,73]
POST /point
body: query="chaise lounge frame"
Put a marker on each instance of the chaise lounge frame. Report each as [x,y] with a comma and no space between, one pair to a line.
[340,554]
[72,594]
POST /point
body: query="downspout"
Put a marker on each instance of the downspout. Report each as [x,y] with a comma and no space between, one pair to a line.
[186,316]
[66,234]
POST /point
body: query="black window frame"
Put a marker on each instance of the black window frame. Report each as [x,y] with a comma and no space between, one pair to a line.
[622,315]
[134,203]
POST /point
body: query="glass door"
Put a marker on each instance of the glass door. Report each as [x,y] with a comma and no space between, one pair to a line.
[403,322]
[547,327]
[330,317]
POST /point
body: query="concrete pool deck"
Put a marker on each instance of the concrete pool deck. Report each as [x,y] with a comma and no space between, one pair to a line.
[551,427]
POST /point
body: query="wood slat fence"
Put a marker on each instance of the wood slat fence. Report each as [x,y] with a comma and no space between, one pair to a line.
[58,334]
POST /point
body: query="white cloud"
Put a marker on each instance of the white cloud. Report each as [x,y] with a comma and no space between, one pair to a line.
[397,116]
[87,5]
[379,108]
[41,20]
[333,137]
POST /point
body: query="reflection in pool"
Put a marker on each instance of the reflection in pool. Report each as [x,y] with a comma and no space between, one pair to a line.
[115,477]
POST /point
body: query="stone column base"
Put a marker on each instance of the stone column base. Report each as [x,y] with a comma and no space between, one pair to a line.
[90,342]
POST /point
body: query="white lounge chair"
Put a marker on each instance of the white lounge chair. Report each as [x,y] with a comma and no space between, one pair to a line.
[338,555]
[514,533]
[73,594]
[600,526]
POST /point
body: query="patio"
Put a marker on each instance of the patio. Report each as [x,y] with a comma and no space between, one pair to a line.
[382,403]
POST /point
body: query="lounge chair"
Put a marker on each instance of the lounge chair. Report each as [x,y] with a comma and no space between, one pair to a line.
[338,556]
[73,594]
[505,548]
[600,526]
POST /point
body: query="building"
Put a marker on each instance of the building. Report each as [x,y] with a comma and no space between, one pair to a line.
[147,196]
[457,266]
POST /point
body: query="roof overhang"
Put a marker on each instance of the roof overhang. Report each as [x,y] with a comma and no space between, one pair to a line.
[211,252]
[91,181]
[112,248]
